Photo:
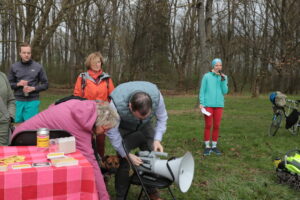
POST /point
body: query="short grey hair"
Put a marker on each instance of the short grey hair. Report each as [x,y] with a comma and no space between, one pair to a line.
[106,115]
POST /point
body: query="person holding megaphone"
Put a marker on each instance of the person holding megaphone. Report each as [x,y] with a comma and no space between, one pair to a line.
[214,86]
[137,103]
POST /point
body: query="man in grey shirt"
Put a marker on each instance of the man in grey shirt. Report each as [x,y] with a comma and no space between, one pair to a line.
[27,78]
[137,103]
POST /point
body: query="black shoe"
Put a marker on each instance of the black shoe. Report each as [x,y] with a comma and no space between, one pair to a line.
[207,151]
[216,151]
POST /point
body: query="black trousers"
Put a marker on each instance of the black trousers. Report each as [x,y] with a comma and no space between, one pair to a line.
[142,139]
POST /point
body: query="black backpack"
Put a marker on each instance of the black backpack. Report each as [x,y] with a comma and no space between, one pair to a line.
[68,98]
[292,119]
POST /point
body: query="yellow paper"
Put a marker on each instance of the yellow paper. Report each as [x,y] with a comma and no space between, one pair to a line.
[22,166]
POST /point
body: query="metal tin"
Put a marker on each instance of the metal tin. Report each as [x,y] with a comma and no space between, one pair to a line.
[42,138]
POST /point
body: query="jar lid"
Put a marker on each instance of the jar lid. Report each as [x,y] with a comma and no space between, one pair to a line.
[43,131]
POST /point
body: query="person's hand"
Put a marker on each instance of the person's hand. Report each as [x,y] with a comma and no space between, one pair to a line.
[28,89]
[200,106]
[222,75]
[157,146]
[135,159]
[22,83]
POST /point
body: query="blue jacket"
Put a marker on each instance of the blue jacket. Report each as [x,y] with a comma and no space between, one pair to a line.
[212,90]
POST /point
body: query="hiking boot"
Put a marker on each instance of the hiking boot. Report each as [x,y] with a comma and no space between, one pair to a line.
[216,151]
[207,151]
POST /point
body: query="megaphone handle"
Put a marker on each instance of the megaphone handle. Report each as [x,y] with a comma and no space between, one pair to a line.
[169,168]
[144,166]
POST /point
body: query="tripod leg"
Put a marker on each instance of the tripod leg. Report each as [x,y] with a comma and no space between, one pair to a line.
[127,191]
[171,193]
[135,170]
[141,192]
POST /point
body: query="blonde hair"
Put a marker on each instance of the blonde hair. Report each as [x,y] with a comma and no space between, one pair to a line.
[91,57]
[106,115]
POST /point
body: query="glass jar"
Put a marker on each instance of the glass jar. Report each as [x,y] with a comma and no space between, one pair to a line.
[42,138]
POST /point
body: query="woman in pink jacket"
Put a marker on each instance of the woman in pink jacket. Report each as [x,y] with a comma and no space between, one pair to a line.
[81,119]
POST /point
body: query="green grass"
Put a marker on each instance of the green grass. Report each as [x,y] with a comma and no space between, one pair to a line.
[245,170]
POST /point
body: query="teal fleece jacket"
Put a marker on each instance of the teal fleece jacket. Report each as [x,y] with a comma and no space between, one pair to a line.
[212,90]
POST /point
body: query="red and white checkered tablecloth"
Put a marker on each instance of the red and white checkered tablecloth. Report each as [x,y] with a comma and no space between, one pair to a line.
[46,183]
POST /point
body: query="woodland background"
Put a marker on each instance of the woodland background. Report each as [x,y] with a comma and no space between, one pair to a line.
[168,42]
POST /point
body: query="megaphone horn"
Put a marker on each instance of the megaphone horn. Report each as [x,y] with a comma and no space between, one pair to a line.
[180,170]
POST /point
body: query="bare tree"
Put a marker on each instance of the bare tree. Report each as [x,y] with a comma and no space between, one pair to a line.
[166,41]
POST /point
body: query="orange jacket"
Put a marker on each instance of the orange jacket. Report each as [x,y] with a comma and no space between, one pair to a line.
[94,90]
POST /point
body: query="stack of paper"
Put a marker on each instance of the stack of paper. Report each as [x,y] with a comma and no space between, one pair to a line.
[21,166]
[55,155]
[205,112]
[66,161]
[3,168]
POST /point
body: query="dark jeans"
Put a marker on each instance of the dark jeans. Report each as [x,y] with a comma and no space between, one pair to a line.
[142,139]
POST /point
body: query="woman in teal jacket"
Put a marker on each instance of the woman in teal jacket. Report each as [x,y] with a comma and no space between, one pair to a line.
[214,86]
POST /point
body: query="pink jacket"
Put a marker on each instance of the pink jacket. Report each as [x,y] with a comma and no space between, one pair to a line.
[78,118]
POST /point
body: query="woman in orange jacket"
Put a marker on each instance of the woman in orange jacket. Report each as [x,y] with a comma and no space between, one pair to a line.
[94,84]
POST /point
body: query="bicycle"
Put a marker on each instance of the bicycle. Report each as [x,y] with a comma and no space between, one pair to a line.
[285,111]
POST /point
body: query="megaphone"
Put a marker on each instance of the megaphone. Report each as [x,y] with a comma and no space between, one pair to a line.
[180,170]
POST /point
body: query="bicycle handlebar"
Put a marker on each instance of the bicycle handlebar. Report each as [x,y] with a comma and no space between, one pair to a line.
[293,101]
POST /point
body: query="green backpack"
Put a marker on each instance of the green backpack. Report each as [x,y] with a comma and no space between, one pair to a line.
[291,162]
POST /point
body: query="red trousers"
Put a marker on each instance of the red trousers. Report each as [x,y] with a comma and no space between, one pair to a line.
[101,144]
[213,120]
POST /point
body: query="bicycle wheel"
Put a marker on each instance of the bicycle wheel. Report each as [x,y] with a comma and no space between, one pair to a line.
[275,125]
